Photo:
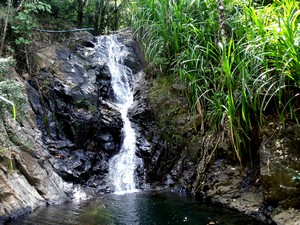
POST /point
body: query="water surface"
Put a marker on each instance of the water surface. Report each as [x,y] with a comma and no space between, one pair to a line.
[141,208]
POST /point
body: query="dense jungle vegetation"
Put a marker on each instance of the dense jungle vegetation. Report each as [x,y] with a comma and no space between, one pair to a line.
[238,59]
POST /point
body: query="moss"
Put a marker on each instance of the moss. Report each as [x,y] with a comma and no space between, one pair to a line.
[20,141]
[46,85]
[85,104]
[186,151]
[174,120]
[169,106]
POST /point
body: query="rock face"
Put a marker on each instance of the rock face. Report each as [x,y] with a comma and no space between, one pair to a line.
[80,127]
[180,152]
[80,123]
[70,129]
[280,167]
[32,182]
[227,186]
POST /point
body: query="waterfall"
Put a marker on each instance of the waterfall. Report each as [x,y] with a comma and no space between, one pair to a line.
[122,165]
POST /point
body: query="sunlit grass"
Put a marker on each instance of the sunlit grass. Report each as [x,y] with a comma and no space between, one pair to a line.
[236,83]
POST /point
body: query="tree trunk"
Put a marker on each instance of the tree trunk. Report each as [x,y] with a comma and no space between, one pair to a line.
[102,24]
[80,7]
[98,14]
[79,13]
[116,16]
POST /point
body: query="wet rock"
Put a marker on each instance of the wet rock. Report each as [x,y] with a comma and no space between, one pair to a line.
[76,112]
[75,93]
[280,166]
[71,128]
[143,147]
[230,187]
[287,217]
[135,59]
[140,112]
[103,81]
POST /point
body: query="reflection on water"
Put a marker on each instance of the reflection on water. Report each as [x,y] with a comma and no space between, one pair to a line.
[142,208]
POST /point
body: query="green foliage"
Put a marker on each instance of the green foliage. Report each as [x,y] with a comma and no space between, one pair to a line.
[25,21]
[5,63]
[235,83]
[14,91]
[102,15]
[12,95]
[166,26]
[63,9]
[12,104]
[296,177]
[5,11]
[274,30]
[62,16]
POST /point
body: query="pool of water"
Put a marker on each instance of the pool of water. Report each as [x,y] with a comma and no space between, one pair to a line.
[141,208]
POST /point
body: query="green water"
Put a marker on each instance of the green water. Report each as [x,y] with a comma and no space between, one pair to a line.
[143,208]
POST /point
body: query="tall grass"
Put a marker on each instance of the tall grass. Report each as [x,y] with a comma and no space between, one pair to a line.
[277,27]
[164,26]
[234,84]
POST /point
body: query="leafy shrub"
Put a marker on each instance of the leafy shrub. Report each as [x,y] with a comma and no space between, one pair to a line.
[5,63]
[13,92]
[25,21]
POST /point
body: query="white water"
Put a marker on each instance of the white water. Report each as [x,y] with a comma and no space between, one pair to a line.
[122,165]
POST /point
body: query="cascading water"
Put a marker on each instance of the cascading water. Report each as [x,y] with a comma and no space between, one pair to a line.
[122,165]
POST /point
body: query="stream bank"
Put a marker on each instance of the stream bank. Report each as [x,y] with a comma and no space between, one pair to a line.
[202,163]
